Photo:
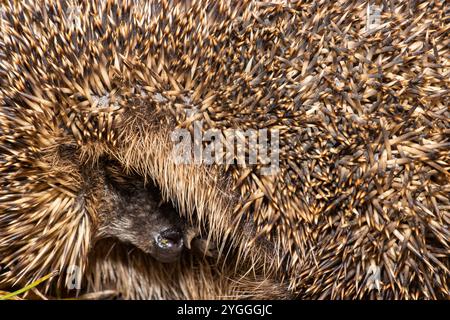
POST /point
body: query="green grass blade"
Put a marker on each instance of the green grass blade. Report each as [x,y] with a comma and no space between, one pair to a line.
[28,287]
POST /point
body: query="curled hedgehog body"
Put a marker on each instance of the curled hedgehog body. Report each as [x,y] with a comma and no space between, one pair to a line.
[359,207]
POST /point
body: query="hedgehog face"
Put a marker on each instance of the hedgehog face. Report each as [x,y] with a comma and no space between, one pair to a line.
[132,212]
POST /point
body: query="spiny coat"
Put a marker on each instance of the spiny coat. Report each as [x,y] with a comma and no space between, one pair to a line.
[360,205]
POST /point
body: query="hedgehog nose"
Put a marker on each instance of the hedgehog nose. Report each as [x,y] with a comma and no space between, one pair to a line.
[169,238]
[169,245]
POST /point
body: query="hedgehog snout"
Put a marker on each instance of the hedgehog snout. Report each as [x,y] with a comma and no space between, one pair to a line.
[169,245]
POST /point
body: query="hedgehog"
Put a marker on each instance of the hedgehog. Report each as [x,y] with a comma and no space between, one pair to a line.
[356,94]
